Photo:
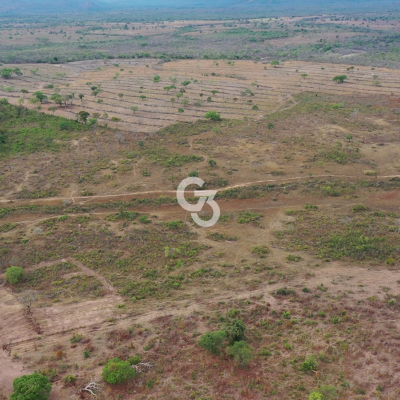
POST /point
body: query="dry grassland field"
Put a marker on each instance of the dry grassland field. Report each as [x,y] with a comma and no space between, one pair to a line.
[293,294]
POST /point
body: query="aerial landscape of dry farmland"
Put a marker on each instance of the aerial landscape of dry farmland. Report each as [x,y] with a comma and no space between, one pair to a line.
[289,113]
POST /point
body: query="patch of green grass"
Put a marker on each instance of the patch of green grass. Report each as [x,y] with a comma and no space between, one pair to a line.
[27,131]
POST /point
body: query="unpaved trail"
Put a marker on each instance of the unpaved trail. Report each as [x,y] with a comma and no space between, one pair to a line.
[104,197]
[87,271]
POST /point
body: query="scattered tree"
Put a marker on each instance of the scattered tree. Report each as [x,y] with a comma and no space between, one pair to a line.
[235,330]
[31,387]
[134,109]
[82,116]
[40,96]
[27,298]
[275,63]
[241,352]
[212,341]
[339,78]
[8,72]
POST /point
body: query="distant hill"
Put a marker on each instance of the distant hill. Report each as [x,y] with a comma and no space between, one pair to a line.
[287,6]
[43,6]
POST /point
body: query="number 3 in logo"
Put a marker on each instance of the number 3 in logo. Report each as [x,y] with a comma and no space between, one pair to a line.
[206,196]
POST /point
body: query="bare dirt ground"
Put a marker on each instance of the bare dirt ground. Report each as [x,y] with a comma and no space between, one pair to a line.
[271,88]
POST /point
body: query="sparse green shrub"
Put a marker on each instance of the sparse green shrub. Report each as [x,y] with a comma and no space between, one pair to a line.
[325,392]
[76,338]
[69,379]
[359,208]
[247,217]
[294,258]
[284,292]
[261,251]
[144,219]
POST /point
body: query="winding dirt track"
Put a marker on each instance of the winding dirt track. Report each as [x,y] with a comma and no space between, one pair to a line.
[150,194]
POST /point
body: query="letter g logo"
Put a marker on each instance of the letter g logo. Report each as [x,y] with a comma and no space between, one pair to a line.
[206,196]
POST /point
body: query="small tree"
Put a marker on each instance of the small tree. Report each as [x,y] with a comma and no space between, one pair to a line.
[15,275]
[186,83]
[213,116]
[117,371]
[156,78]
[339,78]
[309,364]
[31,387]
[275,63]
[34,101]
[134,109]
[40,96]
[82,116]
[241,352]
[235,330]
[212,341]
[57,99]
[304,75]
[81,96]
[8,72]
[27,298]
[120,95]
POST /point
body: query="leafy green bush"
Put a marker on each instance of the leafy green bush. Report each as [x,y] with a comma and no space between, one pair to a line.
[15,275]
[235,330]
[213,116]
[309,364]
[212,341]
[31,387]
[241,352]
[117,371]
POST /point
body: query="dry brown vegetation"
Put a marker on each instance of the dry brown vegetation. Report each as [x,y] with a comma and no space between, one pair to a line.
[306,252]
